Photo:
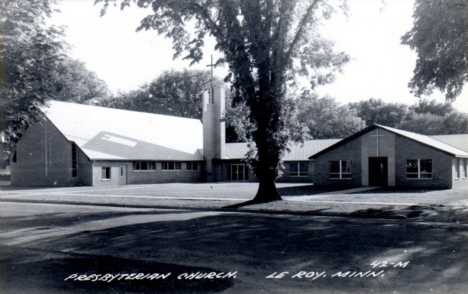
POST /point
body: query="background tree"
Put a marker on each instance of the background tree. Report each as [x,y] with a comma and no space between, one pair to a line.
[429,117]
[325,118]
[264,43]
[176,93]
[379,112]
[75,83]
[439,37]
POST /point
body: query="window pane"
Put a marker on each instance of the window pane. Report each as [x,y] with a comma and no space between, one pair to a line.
[346,176]
[412,176]
[293,168]
[465,167]
[177,165]
[426,165]
[152,165]
[144,165]
[164,165]
[334,176]
[426,176]
[412,166]
[106,173]
[304,167]
[170,165]
[334,167]
[240,170]
[345,166]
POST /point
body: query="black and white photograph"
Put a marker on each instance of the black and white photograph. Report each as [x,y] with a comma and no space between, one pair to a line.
[234,146]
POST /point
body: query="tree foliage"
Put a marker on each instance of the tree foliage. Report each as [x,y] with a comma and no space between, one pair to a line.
[176,93]
[439,37]
[379,112]
[427,117]
[325,118]
[265,43]
[30,52]
[36,66]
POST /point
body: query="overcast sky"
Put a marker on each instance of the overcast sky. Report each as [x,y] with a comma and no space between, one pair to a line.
[380,66]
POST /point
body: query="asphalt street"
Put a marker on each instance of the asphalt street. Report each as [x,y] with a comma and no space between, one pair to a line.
[63,248]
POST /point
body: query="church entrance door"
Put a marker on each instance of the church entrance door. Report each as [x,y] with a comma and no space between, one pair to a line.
[378,171]
[238,172]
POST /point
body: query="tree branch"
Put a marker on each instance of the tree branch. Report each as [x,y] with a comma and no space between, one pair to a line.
[300,30]
[209,21]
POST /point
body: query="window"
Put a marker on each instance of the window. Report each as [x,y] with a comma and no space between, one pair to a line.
[419,169]
[340,169]
[457,169]
[465,166]
[74,161]
[299,169]
[238,172]
[192,165]
[144,165]
[170,165]
[106,173]
[14,157]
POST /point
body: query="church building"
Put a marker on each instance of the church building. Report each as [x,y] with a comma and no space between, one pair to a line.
[83,145]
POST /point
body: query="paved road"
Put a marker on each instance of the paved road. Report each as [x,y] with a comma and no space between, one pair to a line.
[48,248]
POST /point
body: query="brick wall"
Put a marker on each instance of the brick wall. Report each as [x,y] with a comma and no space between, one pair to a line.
[441,164]
[43,158]
[286,177]
[350,151]
[131,176]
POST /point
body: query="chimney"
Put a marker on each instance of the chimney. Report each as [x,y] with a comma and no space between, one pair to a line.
[214,132]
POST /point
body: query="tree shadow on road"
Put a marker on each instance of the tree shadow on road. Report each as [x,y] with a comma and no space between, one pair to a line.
[256,246]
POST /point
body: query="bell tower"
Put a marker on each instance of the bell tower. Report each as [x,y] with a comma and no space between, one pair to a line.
[214,130]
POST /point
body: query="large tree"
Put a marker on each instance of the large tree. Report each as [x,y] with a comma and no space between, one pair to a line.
[264,43]
[440,38]
[36,67]
[29,53]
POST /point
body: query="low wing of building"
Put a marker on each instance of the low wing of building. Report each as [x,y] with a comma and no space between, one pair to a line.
[384,156]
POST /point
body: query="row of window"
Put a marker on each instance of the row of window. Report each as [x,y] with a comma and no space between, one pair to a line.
[415,169]
[339,169]
[165,165]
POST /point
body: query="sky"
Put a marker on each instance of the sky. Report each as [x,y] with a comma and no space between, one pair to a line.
[380,66]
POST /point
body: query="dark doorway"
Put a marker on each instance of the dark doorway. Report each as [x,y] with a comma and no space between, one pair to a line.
[378,171]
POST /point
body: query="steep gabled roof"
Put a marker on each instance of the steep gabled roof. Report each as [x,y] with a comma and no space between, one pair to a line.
[115,134]
[298,151]
[423,139]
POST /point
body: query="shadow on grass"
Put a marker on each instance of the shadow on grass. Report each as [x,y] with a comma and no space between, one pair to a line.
[290,191]
[307,190]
